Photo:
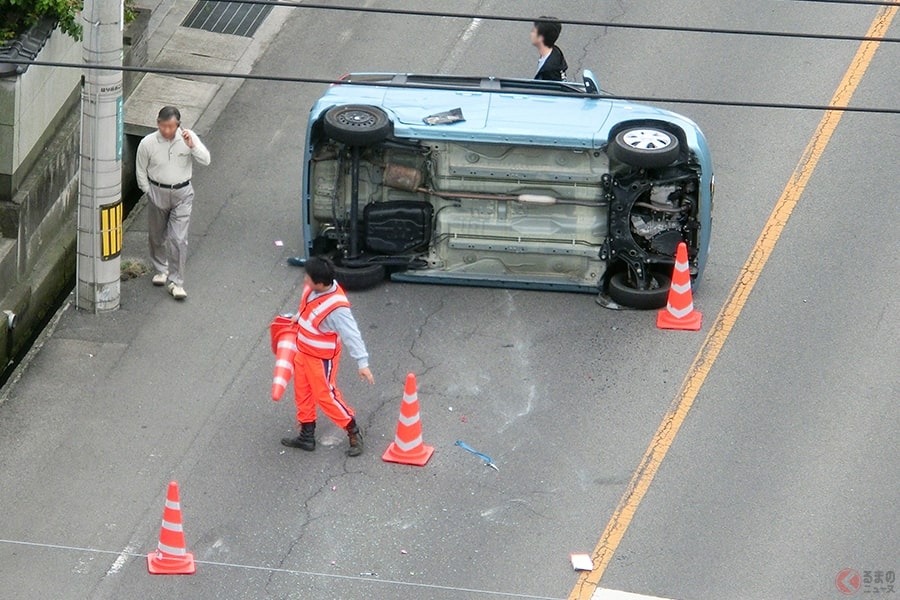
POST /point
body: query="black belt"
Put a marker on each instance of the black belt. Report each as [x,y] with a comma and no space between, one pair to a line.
[174,186]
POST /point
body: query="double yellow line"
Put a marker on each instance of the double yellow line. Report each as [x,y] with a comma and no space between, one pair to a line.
[721,328]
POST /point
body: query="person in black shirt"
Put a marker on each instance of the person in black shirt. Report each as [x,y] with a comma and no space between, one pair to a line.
[552,63]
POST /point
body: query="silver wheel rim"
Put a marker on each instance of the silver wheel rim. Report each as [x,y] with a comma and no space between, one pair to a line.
[647,139]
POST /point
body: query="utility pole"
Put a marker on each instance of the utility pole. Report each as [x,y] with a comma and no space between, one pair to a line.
[100,195]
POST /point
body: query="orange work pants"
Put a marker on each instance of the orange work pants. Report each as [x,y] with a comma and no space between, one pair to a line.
[315,383]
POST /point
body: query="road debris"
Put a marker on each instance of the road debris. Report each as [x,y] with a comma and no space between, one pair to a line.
[446,117]
[488,461]
[582,562]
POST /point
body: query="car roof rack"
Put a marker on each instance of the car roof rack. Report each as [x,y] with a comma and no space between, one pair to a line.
[462,82]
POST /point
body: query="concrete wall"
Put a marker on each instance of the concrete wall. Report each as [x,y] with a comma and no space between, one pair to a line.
[46,199]
[137,40]
[38,266]
[31,105]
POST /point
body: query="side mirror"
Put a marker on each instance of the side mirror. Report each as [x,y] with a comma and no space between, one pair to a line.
[590,82]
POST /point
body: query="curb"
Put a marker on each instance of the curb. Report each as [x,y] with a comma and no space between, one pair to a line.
[48,331]
[35,349]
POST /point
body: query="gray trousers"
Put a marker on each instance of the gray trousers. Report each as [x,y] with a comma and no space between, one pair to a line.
[168,219]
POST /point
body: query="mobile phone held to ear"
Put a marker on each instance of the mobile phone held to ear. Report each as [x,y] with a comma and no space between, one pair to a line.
[187,138]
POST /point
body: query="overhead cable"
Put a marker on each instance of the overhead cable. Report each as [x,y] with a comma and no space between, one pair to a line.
[566,21]
[486,90]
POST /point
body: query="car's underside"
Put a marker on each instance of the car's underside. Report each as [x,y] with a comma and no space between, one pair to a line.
[502,215]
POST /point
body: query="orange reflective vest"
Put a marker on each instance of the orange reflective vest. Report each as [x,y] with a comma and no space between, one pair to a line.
[310,339]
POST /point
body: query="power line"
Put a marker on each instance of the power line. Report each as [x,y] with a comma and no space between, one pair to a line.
[852,2]
[580,22]
[320,81]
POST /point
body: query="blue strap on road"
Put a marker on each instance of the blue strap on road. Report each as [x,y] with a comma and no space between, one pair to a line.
[487,459]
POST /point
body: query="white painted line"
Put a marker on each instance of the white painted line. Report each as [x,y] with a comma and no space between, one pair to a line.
[470,30]
[461,591]
[460,47]
[604,594]
[120,560]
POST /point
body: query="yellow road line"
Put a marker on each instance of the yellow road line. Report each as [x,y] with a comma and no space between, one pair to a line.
[721,328]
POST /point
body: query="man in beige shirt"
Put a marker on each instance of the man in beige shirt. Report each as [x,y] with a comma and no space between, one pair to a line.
[164,167]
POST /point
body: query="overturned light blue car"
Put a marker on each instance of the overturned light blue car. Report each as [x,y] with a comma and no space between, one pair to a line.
[506,183]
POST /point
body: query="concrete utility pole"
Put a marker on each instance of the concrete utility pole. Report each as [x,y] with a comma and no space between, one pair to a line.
[102,122]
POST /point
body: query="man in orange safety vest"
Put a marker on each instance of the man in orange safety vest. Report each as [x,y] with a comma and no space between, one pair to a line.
[325,323]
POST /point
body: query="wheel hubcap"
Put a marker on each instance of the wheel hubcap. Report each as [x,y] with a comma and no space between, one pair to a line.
[647,139]
[356,118]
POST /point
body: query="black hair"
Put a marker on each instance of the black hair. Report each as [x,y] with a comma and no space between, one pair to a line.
[167,113]
[320,270]
[548,28]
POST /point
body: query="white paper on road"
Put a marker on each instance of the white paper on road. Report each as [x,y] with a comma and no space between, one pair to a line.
[582,562]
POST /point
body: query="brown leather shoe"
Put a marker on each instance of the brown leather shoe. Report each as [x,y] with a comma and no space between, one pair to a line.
[354,435]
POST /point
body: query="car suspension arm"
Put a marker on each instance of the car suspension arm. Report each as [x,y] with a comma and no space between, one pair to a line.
[354,202]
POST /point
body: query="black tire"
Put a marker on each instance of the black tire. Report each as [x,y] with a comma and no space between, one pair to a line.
[359,278]
[624,294]
[645,147]
[357,124]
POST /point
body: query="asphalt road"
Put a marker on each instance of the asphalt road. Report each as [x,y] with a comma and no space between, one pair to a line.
[784,473]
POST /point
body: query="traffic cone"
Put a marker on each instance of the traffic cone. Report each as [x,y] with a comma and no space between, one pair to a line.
[679,312]
[171,556]
[408,447]
[283,332]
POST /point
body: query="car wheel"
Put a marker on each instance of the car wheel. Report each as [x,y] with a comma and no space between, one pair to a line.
[645,147]
[359,278]
[357,124]
[626,295]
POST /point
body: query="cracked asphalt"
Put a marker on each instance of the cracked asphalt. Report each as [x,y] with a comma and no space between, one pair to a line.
[785,471]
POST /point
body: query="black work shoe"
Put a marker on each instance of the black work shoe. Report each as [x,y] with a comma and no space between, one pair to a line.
[296,261]
[305,441]
[355,437]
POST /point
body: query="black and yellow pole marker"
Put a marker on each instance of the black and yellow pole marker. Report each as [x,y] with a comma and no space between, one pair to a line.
[111,231]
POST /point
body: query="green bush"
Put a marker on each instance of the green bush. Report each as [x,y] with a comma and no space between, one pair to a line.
[17,16]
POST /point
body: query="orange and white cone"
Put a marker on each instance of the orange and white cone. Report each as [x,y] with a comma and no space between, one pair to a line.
[171,556]
[679,312]
[408,447]
[283,332]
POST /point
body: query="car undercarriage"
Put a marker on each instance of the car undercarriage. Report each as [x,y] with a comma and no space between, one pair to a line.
[507,215]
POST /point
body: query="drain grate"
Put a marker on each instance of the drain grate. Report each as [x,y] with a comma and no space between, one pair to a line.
[235,18]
